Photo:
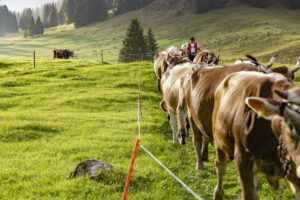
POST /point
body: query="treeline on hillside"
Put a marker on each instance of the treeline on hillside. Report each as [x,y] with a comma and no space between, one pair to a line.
[8,21]
[82,12]
[123,6]
[201,6]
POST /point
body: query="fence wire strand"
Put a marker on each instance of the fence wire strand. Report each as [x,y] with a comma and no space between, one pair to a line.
[147,151]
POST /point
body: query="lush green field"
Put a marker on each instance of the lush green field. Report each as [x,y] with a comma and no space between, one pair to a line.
[63,112]
[235,30]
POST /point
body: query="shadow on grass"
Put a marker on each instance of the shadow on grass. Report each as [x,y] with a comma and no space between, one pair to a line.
[28,132]
[5,65]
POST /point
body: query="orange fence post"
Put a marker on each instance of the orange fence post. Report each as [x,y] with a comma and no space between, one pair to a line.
[135,151]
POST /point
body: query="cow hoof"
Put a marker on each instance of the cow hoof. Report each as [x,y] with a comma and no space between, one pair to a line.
[188,138]
[168,117]
[205,158]
[182,142]
[176,141]
[218,194]
[199,167]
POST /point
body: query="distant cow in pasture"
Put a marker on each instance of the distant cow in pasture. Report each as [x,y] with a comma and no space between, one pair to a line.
[63,53]
[261,134]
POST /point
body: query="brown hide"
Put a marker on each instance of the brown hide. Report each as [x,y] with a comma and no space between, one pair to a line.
[239,133]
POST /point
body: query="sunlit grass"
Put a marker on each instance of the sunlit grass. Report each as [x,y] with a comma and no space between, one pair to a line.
[63,112]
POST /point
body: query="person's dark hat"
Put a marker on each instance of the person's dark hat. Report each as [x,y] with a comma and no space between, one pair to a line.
[192,38]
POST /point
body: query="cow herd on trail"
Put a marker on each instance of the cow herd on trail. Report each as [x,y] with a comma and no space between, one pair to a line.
[250,112]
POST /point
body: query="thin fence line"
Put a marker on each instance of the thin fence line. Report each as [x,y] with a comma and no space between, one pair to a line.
[148,152]
[171,173]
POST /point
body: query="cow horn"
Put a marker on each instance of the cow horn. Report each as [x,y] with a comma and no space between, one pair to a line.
[282,94]
[271,61]
[260,67]
[296,68]
[219,54]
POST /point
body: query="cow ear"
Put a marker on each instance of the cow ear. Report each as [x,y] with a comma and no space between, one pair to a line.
[266,108]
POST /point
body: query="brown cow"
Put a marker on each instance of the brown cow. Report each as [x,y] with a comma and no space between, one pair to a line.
[162,62]
[206,56]
[239,133]
[171,83]
[198,95]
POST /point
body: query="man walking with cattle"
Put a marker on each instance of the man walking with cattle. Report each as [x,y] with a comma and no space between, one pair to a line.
[192,48]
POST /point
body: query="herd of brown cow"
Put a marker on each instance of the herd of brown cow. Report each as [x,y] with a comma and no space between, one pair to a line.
[251,113]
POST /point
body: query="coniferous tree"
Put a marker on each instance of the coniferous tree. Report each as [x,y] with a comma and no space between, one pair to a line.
[123,6]
[2,27]
[292,4]
[46,12]
[32,27]
[68,10]
[134,45]
[152,46]
[53,17]
[9,19]
[81,14]
[25,18]
[39,27]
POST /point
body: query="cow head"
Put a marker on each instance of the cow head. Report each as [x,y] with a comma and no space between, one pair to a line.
[174,60]
[71,53]
[289,110]
[290,74]
[261,68]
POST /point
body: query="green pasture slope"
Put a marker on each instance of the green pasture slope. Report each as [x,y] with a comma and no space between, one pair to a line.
[66,111]
[235,30]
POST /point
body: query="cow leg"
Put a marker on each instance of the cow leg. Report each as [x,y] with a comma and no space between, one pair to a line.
[296,190]
[197,140]
[244,166]
[158,85]
[204,150]
[181,115]
[187,126]
[173,125]
[220,164]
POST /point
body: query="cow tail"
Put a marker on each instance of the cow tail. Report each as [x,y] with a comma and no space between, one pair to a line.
[162,106]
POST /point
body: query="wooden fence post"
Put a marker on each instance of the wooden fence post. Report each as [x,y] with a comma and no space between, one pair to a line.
[34,59]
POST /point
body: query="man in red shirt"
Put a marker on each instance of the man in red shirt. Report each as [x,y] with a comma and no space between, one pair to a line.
[192,49]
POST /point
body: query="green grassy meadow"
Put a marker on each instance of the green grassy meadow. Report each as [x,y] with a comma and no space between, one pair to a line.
[65,111]
[235,30]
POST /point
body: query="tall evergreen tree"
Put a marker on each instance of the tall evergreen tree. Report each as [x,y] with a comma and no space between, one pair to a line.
[53,17]
[9,20]
[32,27]
[134,45]
[68,10]
[152,46]
[292,4]
[2,27]
[39,27]
[81,14]
[25,18]
[123,6]
[46,12]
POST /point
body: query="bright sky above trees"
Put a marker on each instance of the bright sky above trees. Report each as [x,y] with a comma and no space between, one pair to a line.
[19,5]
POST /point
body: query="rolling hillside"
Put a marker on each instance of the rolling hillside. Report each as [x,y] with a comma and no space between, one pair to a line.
[235,30]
